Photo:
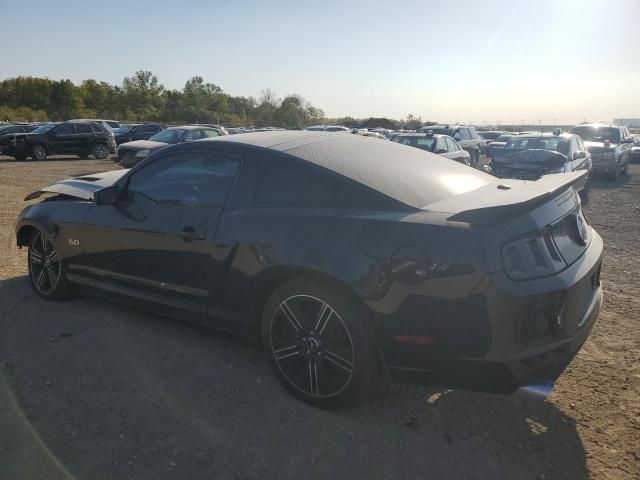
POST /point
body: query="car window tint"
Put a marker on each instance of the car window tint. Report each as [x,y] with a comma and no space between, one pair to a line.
[65,129]
[425,143]
[473,133]
[284,186]
[83,128]
[189,179]
[452,146]
[441,144]
[210,133]
[193,135]
[96,128]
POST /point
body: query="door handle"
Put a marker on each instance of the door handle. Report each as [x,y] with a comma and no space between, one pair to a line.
[189,234]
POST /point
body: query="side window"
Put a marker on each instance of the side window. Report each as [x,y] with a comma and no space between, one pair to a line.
[186,180]
[65,129]
[457,135]
[581,146]
[83,128]
[96,128]
[210,133]
[193,135]
[151,128]
[452,146]
[283,186]
[441,144]
[473,133]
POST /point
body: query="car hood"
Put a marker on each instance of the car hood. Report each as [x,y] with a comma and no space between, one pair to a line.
[144,145]
[598,145]
[81,187]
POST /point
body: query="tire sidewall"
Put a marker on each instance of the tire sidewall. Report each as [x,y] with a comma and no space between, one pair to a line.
[364,363]
[36,147]
[97,147]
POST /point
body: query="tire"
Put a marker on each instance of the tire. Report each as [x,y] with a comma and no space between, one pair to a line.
[20,158]
[613,176]
[475,158]
[317,345]
[100,151]
[84,156]
[38,152]
[46,269]
[625,170]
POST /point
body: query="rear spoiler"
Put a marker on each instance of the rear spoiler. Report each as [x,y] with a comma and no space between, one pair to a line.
[497,201]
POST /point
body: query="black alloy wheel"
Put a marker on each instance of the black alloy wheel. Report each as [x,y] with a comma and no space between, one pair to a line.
[317,345]
[46,271]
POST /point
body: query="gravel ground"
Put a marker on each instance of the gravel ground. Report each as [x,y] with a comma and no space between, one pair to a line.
[93,390]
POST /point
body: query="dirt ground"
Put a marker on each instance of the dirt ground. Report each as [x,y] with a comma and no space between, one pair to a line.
[93,390]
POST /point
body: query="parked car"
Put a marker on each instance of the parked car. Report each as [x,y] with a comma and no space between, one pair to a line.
[491,135]
[438,144]
[112,124]
[220,128]
[130,133]
[9,130]
[531,156]
[82,138]
[347,258]
[610,146]
[499,142]
[369,133]
[466,136]
[130,153]
[336,128]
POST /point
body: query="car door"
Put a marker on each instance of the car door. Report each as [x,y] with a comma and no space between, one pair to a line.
[84,137]
[456,152]
[156,244]
[62,138]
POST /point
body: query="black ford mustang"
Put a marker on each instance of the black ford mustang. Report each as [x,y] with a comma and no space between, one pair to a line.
[346,256]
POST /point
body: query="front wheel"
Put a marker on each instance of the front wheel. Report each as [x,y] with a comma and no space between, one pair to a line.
[38,152]
[46,271]
[100,151]
[317,345]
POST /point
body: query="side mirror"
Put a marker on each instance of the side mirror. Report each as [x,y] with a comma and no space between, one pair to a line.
[106,196]
[579,154]
[441,150]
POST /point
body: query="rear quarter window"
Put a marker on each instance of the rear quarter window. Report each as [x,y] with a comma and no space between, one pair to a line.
[284,186]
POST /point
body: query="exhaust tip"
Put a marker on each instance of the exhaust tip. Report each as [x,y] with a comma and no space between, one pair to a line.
[538,391]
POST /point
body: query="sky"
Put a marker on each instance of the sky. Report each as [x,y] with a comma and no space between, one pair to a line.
[481,61]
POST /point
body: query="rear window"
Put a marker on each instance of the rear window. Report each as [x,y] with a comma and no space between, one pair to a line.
[425,143]
[283,186]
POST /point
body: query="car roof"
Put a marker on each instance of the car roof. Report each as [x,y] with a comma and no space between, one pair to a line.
[545,135]
[410,175]
[599,125]
[189,127]
[421,134]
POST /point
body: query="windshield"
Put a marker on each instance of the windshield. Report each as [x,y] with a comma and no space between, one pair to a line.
[425,143]
[45,128]
[503,138]
[170,135]
[555,144]
[597,134]
[126,129]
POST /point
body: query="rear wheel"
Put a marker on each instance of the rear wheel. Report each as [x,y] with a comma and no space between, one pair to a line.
[46,271]
[38,152]
[100,151]
[316,344]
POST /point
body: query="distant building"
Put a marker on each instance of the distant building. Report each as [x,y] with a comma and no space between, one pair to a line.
[629,122]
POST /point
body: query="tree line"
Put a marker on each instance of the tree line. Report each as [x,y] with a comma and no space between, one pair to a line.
[142,98]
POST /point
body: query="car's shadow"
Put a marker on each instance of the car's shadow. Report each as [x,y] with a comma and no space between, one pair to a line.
[607,184]
[103,390]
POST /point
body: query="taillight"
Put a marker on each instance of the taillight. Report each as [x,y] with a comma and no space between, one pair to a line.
[547,251]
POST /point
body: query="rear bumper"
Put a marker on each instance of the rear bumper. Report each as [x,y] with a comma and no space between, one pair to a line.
[527,343]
